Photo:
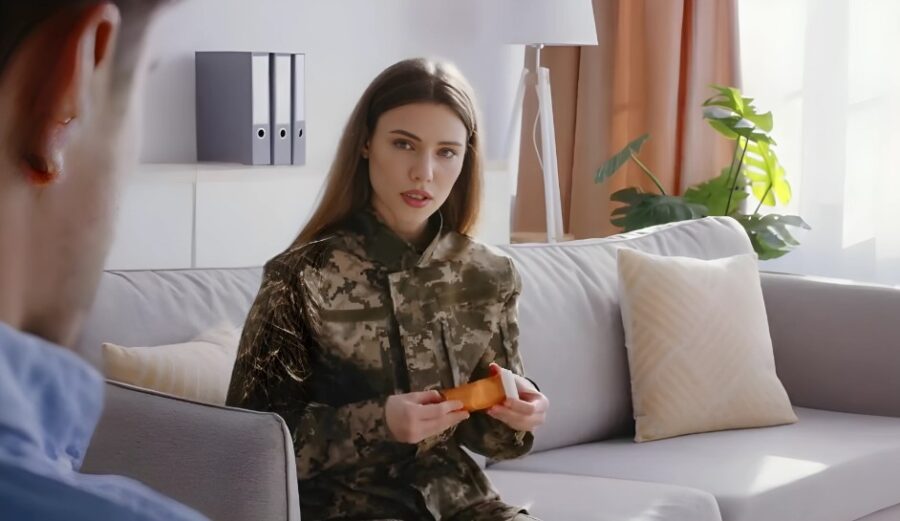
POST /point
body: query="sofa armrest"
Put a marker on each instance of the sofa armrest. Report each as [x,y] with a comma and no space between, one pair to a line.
[230,464]
[837,344]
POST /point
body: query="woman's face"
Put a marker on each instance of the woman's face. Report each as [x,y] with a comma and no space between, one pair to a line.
[415,156]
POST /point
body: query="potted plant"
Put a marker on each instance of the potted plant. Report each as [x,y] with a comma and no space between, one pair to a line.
[754,165]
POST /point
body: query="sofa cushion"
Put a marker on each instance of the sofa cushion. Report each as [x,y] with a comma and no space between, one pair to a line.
[198,370]
[829,466]
[584,498]
[571,336]
[699,350]
[148,308]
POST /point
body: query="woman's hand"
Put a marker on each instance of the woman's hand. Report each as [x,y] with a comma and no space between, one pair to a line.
[412,417]
[525,414]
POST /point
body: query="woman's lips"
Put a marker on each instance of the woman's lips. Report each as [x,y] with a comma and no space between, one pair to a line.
[416,198]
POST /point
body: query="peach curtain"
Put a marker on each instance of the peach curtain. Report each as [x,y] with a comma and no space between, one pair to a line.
[649,74]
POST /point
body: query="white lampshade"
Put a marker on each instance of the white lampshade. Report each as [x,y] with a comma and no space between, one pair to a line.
[548,22]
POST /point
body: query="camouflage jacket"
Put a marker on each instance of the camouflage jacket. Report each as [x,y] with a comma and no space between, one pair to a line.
[344,322]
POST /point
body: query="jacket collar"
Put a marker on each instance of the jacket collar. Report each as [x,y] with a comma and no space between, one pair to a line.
[387,248]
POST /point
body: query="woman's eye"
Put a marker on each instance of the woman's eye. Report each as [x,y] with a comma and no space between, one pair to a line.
[448,153]
[403,145]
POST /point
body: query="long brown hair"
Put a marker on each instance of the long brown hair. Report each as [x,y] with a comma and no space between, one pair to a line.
[348,189]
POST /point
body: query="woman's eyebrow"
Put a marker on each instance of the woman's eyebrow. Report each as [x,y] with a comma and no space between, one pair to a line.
[417,138]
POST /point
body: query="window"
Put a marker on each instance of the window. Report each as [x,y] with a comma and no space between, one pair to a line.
[829,70]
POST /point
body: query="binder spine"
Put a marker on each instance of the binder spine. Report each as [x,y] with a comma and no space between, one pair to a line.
[298,107]
[261,130]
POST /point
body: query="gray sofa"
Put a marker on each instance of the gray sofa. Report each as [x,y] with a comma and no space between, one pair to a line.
[837,351]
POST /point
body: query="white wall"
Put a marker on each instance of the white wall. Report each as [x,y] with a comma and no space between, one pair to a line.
[178,214]
[215,216]
[347,43]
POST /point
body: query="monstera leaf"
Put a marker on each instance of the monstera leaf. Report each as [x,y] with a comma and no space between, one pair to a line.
[766,175]
[641,209]
[610,167]
[733,115]
[769,234]
[753,165]
[713,194]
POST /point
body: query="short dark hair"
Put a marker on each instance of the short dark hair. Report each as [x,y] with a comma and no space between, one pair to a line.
[19,17]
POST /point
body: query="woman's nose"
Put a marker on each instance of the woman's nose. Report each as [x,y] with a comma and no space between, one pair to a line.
[423,169]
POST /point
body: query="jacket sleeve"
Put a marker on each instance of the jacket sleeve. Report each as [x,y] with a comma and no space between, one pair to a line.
[481,433]
[273,373]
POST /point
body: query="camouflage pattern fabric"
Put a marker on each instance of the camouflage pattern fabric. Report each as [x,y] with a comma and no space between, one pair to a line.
[344,322]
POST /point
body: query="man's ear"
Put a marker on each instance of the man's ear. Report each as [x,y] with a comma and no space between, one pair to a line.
[60,65]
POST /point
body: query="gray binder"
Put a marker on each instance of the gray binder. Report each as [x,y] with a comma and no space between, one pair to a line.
[298,118]
[233,112]
[280,69]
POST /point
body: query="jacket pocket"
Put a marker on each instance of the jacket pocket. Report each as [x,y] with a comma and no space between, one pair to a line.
[358,336]
[467,335]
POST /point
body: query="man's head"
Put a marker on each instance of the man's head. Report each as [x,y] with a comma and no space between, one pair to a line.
[70,72]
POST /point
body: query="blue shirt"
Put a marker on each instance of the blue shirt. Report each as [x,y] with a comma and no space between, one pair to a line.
[50,403]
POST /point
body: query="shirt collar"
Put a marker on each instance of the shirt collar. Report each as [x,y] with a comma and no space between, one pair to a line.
[50,399]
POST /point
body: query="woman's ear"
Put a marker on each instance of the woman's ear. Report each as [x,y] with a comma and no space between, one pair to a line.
[57,73]
[365,151]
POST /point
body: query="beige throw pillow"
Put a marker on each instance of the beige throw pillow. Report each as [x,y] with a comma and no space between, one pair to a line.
[698,344]
[198,370]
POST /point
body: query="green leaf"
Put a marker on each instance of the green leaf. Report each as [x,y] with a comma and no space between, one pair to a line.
[781,188]
[722,128]
[763,121]
[728,97]
[628,195]
[769,234]
[789,220]
[735,117]
[645,209]
[713,194]
[613,164]
[732,115]
[764,195]
[750,132]
[756,164]
[766,175]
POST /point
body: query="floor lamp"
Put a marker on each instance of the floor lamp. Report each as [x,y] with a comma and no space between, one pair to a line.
[538,23]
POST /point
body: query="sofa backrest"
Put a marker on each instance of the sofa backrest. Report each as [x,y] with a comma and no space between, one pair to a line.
[571,335]
[570,328]
[148,308]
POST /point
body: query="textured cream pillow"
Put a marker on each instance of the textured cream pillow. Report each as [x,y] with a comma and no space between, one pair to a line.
[198,370]
[698,344]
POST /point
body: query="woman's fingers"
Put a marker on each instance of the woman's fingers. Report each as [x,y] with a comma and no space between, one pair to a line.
[412,417]
[425,397]
[525,387]
[517,421]
[521,407]
[428,414]
[438,425]
[513,420]
[523,415]
[437,410]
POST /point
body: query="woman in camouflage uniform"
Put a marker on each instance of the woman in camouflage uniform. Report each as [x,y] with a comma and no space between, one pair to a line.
[382,300]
